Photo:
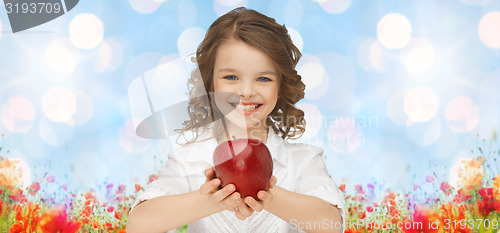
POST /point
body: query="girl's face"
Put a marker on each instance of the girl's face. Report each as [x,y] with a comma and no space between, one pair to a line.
[246,83]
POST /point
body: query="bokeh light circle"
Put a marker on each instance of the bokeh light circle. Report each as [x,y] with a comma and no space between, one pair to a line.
[462,114]
[296,38]
[103,57]
[312,71]
[167,82]
[189,40]
[314,120]
[489,29]
[344,135]
[335,6]
[59,104]
[394,31]
[421,104]
[61,58]
[86,31]
[419,56]
[18,114]
[145,6]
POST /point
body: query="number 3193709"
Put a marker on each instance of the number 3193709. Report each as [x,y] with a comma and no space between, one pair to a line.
[33,8]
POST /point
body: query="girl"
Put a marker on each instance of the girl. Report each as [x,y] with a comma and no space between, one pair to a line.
[248,61]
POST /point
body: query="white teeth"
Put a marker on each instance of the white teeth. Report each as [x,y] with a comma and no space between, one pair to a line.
[246,107]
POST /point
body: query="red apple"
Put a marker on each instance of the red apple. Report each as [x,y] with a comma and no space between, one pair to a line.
[246,163]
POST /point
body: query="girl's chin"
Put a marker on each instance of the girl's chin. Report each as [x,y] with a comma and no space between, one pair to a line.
[242,124]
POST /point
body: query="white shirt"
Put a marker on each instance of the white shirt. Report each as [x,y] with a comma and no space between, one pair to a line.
[298,167]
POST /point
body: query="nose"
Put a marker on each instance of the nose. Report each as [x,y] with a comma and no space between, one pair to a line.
[246,89]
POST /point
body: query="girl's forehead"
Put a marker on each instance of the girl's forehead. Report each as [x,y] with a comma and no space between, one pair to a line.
[236,54]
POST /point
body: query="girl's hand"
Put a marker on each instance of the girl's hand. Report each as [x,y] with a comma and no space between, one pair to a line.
[250,205]
[225,198]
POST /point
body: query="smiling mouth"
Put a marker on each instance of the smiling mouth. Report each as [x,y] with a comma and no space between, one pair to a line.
[245,107]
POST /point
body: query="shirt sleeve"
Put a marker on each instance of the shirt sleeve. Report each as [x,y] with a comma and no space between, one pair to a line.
[314,180]
[172,179]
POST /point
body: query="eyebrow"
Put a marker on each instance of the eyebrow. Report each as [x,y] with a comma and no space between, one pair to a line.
[230,70]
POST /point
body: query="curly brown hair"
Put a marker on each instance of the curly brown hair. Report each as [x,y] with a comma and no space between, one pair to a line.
[263,33]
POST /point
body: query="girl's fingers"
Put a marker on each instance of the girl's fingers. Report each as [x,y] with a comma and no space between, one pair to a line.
[245,210]
[210,187]
[224,192]
[209,173]
[273,182]
[254,204]
[232,201]
[238,214]
[265,196]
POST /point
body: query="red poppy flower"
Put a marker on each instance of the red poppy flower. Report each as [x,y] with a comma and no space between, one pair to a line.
[18,196]
[34,188]
[56,220]
[425,218]
[342,188]
[121,188]
[118,215]
[446,188]
[487,203]
[137,187]
[152,178]
[26,220]
[462,196]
